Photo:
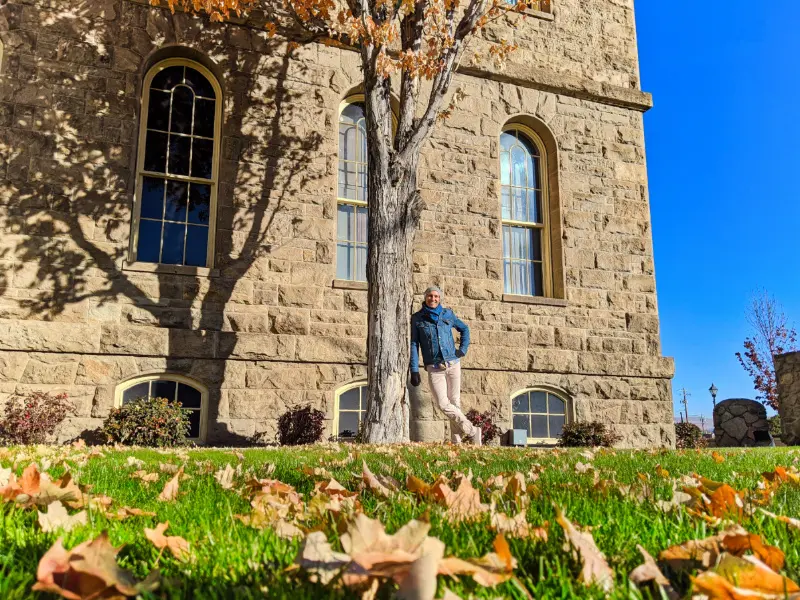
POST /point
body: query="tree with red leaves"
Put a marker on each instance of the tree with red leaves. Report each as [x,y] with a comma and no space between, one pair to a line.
[418,44]
[772,335]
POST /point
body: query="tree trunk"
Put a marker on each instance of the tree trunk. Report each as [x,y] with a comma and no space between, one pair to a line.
[394,207]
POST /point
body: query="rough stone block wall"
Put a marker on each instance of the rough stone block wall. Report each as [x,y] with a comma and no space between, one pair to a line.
[738,422]
[787,371]
[266,328]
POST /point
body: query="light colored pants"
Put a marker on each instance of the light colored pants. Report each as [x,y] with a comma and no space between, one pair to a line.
[446,387]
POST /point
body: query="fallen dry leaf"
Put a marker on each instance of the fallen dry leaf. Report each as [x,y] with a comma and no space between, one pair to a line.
[705,553]
[123,513]
[738,544]
[225,476]
[594,569]
[494,568]
[57,517]
[317,472]
[317,557]
[168,468]
[89,570]
[178,546]
[145,476]
[463,504]
[132,461]
[718,458]
[744,578]
[583,467]
[648,573]
[420,581]
[791,522]
[382,487]
[170,491]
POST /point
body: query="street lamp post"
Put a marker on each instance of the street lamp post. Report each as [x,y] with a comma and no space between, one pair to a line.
[713,390]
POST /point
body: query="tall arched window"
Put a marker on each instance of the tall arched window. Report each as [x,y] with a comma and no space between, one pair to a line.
[541,413]
[526,239]
[351,219]
[177,388]
[176,187]
[350,406]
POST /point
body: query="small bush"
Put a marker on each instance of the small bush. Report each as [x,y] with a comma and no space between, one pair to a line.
[489,430]
[33,419]
[300,426]
[688,435]
[579,435]
[154,422]
[775,426]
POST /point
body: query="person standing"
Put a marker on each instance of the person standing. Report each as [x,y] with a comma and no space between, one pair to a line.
[432,331]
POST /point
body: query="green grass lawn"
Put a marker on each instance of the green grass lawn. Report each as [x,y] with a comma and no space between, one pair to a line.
[234,560]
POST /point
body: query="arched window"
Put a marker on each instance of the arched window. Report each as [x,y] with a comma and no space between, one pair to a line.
[350,407]
[541,413]
[176,188]
[351,219]
[177,388]
[526,238]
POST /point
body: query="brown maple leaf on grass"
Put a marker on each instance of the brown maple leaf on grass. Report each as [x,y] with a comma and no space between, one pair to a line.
[370,554]
[648,573]
[178,547]
[170,491]
[594,568]
[463,504]
[224,477]
[57,517]
[37,489]
[705,553]
[382,486]
[89,570]
[744,578]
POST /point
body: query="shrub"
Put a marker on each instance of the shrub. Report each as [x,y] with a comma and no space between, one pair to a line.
[775,426]
[489,430]
[688,435]
[300,426]
[580,434]
[33,419]
[155,422]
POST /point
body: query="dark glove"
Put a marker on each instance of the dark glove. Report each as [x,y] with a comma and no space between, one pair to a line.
[459,354]
[415,379]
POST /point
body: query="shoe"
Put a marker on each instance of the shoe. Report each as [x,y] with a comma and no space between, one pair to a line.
[476,439]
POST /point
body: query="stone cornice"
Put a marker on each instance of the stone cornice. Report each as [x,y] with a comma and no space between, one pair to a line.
[560,83]
[519,74]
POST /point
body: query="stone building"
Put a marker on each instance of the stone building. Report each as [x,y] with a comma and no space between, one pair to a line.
[182,214]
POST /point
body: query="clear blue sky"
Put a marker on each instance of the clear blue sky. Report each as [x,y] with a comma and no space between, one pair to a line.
[723,153]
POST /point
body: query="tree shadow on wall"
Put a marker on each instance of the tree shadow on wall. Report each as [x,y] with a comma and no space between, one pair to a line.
[69,160]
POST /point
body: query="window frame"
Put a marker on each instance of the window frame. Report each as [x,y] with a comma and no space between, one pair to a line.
[357,204]
[140,172]
[123,386]
[531,441]
[544,226]
[339,391]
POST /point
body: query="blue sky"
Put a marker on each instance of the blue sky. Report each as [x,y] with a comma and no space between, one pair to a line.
[723,153]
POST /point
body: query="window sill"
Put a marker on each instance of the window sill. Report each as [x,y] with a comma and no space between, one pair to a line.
[537,300]
[539,14]
[347,284]
[143,267]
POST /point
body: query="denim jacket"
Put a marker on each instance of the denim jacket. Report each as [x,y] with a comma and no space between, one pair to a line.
[422,331]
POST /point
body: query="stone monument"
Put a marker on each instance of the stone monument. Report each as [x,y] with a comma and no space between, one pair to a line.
[741,422]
